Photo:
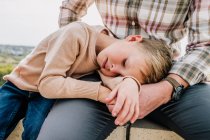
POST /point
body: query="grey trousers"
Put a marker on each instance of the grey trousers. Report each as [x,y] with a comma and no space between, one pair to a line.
[83,119]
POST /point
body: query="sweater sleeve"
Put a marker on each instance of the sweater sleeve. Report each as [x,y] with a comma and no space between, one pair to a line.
[112,82]
[64,47]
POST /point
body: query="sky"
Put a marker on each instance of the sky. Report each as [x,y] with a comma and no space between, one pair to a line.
[27,22]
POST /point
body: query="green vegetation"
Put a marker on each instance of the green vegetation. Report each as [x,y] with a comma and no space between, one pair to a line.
[5,69]
[10,56]
[7,63]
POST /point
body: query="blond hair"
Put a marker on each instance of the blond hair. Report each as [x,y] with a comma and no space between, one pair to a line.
[158,59]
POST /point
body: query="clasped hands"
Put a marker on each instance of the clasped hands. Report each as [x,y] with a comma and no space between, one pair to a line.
[127,104]
[123,101]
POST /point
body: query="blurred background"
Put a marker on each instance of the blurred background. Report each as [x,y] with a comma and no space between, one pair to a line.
[24,23]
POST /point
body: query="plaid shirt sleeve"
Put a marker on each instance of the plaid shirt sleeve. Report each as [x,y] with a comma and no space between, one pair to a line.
[195,65]
[73,10]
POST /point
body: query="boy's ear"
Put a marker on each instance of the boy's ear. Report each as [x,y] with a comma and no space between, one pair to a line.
[137,38]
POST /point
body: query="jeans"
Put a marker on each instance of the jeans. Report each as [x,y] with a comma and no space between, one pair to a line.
[16,104]
[83,119]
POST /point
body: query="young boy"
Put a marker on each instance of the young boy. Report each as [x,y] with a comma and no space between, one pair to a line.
[53,67]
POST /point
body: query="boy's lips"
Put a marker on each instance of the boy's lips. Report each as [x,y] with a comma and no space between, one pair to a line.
[104,63]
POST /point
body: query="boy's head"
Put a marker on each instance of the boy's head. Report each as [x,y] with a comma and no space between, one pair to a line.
[147,60]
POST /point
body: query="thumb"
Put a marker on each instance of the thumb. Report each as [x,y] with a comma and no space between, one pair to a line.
[112,95]
[110,107]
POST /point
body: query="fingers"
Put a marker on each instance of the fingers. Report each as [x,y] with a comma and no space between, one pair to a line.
[125,115]
[110,107]
[136,114]
[112,95]
[123,112]
[118,106]
[112,102]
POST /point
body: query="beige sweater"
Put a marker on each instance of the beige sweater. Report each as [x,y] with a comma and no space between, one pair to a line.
[54,66]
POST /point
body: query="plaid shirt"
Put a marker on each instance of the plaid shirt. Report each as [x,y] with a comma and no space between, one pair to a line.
[168,20]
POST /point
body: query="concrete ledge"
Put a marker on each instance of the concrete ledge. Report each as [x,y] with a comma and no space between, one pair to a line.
[16,134]
[142,129]
[146,130]
[118,134]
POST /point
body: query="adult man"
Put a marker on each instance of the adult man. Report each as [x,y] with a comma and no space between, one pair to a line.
[187,115]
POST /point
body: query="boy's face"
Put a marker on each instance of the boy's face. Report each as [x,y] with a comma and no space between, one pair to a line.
[122,58]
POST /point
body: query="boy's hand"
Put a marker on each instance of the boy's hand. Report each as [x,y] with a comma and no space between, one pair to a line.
[103,93]
[127,101]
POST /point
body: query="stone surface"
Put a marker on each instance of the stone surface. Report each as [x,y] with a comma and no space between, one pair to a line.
[118,134]
[147,130]
[16,134]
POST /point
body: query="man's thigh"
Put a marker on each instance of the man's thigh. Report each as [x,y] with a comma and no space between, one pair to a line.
[77,119]
[190,116]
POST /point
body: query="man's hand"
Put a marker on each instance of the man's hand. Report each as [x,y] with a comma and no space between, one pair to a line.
[126,107]
[152,96]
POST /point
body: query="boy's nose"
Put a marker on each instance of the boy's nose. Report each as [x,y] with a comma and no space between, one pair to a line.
[114,68]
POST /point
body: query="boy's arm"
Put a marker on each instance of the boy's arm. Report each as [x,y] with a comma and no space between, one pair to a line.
[110,82]
[73,10]
[54,82]
[125,99]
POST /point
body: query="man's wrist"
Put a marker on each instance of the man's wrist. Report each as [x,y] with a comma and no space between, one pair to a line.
[168,88]
[180,80]
[178,84]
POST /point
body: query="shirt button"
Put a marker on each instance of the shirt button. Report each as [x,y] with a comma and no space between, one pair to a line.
[133,23]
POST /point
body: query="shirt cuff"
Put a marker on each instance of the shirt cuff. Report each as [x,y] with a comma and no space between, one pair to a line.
[188,72]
